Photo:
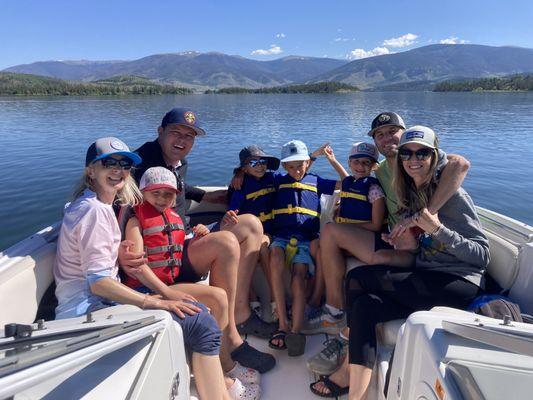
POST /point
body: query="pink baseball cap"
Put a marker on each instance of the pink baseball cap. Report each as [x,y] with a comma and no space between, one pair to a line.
[158,178]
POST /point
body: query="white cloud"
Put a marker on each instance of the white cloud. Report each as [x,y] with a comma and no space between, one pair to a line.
[357,54]
[341,39]
[403,41]
[274,49]
[281,35]
[453,40]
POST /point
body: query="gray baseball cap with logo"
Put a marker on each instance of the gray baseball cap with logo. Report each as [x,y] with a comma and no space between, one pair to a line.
[108,146]
[419,134]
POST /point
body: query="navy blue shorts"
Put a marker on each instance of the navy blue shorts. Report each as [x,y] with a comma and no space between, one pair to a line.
[201,333]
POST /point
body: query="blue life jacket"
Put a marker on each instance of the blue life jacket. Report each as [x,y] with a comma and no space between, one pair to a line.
[259,196]
[297,208]
[355,207]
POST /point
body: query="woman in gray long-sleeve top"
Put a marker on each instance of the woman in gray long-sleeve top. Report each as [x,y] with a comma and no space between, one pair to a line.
[452,255]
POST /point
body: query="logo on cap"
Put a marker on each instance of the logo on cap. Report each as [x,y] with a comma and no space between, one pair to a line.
[365,148]
[383,118]
[293,149]
[117,145]
[414,135]
[189,117]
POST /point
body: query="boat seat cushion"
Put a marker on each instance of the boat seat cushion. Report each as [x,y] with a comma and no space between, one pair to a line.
[503,266]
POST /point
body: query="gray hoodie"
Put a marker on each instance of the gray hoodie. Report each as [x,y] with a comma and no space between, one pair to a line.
[460,247]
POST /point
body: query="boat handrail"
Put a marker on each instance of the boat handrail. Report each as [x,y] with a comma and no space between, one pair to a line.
[493,218]
[506,339]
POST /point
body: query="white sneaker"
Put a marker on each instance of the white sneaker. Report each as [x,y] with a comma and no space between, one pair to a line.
[238,391]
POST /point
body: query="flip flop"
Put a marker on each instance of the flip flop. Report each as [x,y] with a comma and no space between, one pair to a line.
[334,389]
[278,335]
[295,344]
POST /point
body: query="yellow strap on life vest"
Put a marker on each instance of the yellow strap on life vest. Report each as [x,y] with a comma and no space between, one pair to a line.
[298,185]
[342,220]
[262,192]
[353,196]
[265,217]
[295,210]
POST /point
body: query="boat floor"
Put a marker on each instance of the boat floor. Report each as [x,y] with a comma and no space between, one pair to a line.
[290,378]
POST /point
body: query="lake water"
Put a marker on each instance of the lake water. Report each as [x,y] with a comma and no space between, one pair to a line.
[43,140]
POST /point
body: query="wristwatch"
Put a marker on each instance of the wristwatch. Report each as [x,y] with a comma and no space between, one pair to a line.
[311,157]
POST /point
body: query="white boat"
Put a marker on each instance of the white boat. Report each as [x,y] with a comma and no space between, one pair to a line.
[123,352]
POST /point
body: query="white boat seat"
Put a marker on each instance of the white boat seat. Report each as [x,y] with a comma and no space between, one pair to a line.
[503,266]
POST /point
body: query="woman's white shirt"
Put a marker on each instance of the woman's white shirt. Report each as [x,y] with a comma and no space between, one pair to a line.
[87,251]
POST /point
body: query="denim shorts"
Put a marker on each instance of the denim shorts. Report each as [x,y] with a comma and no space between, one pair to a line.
[302,256]
[201,333]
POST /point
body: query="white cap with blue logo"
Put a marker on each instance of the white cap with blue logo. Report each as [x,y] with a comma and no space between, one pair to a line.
[419,134]
[295,150]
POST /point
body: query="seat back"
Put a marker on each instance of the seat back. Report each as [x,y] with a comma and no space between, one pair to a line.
[23,284]
[503,266]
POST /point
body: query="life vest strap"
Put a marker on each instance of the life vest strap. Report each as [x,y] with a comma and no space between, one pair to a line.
[353,196]
[298,185]
[172,248]
[173,262]
[342,220]
[265,217]
[259,193]
[295,210]
[163,228]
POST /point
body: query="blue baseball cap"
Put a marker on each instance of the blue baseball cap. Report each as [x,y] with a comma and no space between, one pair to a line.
[295,150]
[185,117]
[108,146]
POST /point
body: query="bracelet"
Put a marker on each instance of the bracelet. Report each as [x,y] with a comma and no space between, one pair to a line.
[311,157]
[437,229]
[143,305]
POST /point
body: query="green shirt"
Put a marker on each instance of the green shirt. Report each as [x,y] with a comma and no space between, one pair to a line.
[384,175]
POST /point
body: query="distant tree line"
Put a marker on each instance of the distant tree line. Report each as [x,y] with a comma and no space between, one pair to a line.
[320,87]
[521,82]
[12,84]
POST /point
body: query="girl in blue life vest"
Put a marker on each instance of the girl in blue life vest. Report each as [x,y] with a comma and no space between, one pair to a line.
[297,217]
[362,203]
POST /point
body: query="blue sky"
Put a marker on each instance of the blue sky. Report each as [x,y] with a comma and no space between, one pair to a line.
[106,30]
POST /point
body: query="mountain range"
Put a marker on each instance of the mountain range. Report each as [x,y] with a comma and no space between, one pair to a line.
[415,69]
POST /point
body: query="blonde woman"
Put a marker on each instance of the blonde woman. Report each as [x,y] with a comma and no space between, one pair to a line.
[86,270]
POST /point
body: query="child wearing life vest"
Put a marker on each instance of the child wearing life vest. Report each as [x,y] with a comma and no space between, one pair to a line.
[255,195]
[158,230]
[296,223]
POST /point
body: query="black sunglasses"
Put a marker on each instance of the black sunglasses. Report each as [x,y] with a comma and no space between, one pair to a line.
[110,162]
[254,162]
[421,154]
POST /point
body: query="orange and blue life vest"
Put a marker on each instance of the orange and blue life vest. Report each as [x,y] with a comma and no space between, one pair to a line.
[163,236]
[256,197]
[297,206]
[355,207]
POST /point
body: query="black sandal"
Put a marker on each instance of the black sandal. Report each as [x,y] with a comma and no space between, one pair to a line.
[278,335]
[334,389]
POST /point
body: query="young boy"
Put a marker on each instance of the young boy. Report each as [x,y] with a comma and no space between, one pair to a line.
[296,215]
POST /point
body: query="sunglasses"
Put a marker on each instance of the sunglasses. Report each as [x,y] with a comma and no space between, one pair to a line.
[255,162]
[110,162]
[421,154]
